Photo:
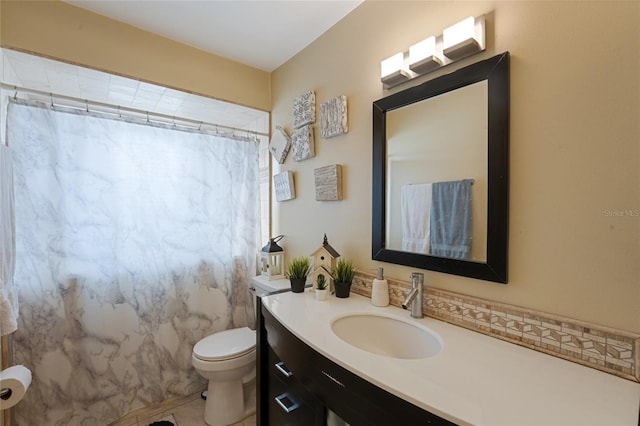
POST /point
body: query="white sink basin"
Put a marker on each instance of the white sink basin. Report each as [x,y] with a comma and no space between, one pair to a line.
[387,336]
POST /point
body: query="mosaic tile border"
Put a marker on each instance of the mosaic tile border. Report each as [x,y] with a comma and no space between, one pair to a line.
[610,350]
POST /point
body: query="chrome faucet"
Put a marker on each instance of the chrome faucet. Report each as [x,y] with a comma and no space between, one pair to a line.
[414,298]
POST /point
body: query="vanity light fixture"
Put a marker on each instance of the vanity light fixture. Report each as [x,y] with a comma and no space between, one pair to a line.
[464,38]
[393,70]
[423,56]
[458,41]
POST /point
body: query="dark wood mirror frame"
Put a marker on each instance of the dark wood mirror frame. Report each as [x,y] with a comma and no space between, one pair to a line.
[496,71]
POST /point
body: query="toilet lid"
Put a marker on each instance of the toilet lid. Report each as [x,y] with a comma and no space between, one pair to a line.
[226,344]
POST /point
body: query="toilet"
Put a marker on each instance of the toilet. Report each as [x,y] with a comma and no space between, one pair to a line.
[227,359]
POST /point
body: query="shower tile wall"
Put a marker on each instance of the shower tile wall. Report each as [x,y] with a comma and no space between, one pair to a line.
[50,76]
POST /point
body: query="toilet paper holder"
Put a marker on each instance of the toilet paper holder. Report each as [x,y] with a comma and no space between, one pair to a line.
[14,382]
[5,393]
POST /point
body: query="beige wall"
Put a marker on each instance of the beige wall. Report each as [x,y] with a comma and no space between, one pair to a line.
[575,147]
[60,31]
[575,150]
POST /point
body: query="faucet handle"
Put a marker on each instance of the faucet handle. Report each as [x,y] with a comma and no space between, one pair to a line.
[417,277]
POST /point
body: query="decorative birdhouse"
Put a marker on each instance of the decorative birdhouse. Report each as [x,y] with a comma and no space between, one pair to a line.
[324,261]
[272,256]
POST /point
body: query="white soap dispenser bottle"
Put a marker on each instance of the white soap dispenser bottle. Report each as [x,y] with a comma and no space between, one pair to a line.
[380,291]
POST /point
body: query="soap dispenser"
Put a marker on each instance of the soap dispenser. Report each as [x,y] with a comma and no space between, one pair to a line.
[380,291]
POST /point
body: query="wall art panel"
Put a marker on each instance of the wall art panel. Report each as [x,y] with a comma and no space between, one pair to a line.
[333,117]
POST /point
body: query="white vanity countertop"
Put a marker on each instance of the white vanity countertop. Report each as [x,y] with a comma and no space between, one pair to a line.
[475,379]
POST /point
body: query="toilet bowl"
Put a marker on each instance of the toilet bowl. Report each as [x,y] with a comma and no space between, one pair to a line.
[227,359]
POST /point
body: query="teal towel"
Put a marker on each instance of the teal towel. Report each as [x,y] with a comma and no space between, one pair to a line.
[451,219]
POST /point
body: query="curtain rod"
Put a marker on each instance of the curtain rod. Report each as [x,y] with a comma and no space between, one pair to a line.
[119,109]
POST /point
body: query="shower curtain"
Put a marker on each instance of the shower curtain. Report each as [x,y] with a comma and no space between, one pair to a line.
[8,296]
[132,243]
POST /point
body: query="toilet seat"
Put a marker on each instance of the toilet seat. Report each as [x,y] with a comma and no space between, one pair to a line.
[227,344]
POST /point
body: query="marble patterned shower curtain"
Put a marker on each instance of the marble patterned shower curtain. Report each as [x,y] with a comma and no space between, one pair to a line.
[8,295]
[132,243]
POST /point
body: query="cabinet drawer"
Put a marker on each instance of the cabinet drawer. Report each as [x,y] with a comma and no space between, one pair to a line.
[278,368]
[286,406]
[360,402]
[336,388]
[295,354]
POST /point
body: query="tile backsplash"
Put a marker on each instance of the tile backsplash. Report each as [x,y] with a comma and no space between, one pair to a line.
[612,351]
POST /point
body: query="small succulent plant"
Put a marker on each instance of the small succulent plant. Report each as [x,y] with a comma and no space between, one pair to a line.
[322,282]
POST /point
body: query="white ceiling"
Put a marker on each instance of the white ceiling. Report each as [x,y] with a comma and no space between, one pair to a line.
[261,33]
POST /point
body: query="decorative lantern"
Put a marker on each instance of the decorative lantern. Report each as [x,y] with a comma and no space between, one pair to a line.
[272,256]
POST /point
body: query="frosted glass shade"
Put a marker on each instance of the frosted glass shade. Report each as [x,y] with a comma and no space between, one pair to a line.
[464,38]
[392,70]
[423,56]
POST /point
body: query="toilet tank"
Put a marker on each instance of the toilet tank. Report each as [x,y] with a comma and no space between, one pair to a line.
[261,286]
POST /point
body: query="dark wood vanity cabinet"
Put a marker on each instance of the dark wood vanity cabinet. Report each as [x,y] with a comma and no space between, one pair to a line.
[289,403]
[281,397]
[302,378]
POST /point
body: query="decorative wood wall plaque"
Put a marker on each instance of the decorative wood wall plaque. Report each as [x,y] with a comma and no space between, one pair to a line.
[328,181]
[333,117]
[302,143]
[304,109]
[279,145]
[283,186]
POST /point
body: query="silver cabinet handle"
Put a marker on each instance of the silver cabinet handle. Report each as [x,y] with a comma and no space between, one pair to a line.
[333,379]
[286,403]
[280,366]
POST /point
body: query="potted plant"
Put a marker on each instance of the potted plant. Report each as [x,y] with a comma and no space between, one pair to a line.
[297,272]
[343,275]
[321,288]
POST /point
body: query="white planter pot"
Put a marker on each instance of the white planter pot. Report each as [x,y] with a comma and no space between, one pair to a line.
[321,294]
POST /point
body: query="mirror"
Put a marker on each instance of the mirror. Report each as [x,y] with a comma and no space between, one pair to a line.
[449,132]
[452,152]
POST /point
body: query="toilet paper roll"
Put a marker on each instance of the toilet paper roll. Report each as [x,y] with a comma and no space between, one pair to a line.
[14,382]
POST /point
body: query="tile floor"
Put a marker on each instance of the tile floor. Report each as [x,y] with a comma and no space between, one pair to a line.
[188,411]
